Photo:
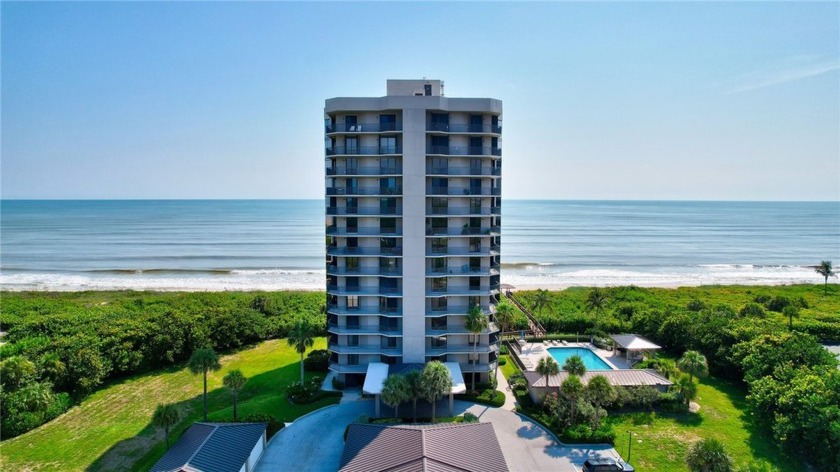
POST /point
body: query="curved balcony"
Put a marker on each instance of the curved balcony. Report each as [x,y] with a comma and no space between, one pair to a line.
[380,291]
[377,191]
[461,191]
[463,251]
[363,128]
[363,150]
[370,329]
[363,171]
[464,291]
[365,251]
[463,128]
[485,231]
[463,171]
[364,311]
[463,271]
[364,211]
[461,349]
[462,151]
[348,369]
[458,329]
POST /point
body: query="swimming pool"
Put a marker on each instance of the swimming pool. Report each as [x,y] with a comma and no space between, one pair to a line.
[590,359]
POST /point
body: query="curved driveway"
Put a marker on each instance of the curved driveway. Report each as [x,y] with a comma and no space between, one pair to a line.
[315,442]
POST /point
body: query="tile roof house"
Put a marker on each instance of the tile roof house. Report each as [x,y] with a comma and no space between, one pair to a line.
[216,447]
[439,448]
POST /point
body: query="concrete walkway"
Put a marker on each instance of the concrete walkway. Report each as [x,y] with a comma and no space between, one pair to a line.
[503,386]
[315,441]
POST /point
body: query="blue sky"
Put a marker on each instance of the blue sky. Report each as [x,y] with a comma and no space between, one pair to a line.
[687,101]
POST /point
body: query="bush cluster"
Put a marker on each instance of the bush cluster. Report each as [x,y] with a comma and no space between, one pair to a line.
[317,361]
[62,346]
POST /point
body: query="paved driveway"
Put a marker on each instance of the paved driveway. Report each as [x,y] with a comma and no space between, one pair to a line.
[315,442]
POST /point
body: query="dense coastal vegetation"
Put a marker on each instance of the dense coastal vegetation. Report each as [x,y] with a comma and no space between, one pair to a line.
[83,348]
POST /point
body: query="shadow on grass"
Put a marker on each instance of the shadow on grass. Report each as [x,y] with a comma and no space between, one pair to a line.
[266,390]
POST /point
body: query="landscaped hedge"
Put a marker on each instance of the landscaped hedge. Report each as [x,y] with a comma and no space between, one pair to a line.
[487,396]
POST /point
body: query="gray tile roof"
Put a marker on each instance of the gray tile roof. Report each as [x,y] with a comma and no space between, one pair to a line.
[217,447]
[618,378]
[422,448]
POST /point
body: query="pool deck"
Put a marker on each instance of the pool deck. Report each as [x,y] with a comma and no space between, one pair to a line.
[531,354]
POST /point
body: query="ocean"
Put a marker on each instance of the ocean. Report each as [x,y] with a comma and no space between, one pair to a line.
[279,244]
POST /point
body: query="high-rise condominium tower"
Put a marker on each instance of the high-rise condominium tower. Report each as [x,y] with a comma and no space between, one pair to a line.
[413,205]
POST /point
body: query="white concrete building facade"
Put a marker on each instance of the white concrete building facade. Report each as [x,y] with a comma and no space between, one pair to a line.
[413,218]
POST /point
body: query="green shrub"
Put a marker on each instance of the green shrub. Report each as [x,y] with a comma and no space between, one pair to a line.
[337,384]
[504,350]
[583,434]
[317,361]
[470,418]
[502,361]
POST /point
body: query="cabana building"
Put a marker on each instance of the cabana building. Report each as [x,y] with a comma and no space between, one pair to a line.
[633,346]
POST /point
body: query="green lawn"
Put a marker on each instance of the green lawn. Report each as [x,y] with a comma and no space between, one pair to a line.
[660,440]
[111,429]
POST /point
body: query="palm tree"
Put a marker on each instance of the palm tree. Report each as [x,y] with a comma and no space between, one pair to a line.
[596,300]
[505,314]
[687,388]
[436,382]
[693,363]
[301,337]
[541,300]
[475,323]
[791,312]
[166,416]
[572,388]
[414,381]
[666,367]
[234,380]
[395,390]
[826,270]
[599,391]
[53,368]
[202,361]
[575,366]
[546,367]
[708,455]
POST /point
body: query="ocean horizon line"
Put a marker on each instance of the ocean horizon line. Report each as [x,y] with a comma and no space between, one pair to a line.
[581,200]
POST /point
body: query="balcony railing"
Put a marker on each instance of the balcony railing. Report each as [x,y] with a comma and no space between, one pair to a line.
[463,128]
[465,191]
[364,170]
[363,311]
[462,170]
[461,271]
[432,292]
[463,150]
[364,349]
[362,150]
[364,128]
[365,211]
[385,272]
[463,211]
[468,231]
[363,231]
[364,191]
[463,251]
[364,251]
[461,349]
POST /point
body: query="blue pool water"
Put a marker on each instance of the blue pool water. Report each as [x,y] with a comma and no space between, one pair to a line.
[590,359]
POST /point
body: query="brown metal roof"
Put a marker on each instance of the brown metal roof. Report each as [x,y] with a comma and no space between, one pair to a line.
[618,378]
[422,448]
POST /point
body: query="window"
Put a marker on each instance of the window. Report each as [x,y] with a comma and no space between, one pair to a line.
[388,285]
[352,359]
[439,304]
[387,225]
[387,145]
[351,165]
[353,302]
[475,264]
[440,245]
[440,206]
[388,264]
[439,323]
[437,225]
[440,122]
[351,264]
[439,284]
[439,265]
[352,243]
[387,122]
[475,123]
[475,244]
[352,322]
[388,186]
[350,122]
[387,342]
[440,144]
[440,185]
[475,147]
[440,165]
[427,89]
[353,340]
[475,166]
[389,305]
[475,283]
[351,186]
[351,145]
[439,341]
[352,205]
[475,206]
[351,284]
[388,165]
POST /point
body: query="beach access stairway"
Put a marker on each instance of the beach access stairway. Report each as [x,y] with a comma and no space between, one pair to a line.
[535,327]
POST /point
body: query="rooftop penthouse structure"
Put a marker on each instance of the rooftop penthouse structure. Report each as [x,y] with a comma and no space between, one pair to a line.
[413,217]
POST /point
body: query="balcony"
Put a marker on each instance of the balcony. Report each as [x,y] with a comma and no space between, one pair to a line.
[460,349]
[468,231]
[461,191]
[464,291]
[364,349]
[363,231]
[457,329]
[374,271]
[463,150]
[463,128]
[463,170]
[363,150]
[364,128]
[364,191]
[464,271]
[385,291]
[364,251]
[363,311]
[357,329]
[349,369]
[463,251]
[450,211]
[364,211]
[364,170]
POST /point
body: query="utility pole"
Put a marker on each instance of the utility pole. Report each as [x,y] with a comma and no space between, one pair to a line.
[629,445]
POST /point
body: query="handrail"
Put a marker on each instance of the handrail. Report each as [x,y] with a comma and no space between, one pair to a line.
[535,325]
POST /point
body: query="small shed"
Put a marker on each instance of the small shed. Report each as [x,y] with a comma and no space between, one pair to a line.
[216,447]
[633,346]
